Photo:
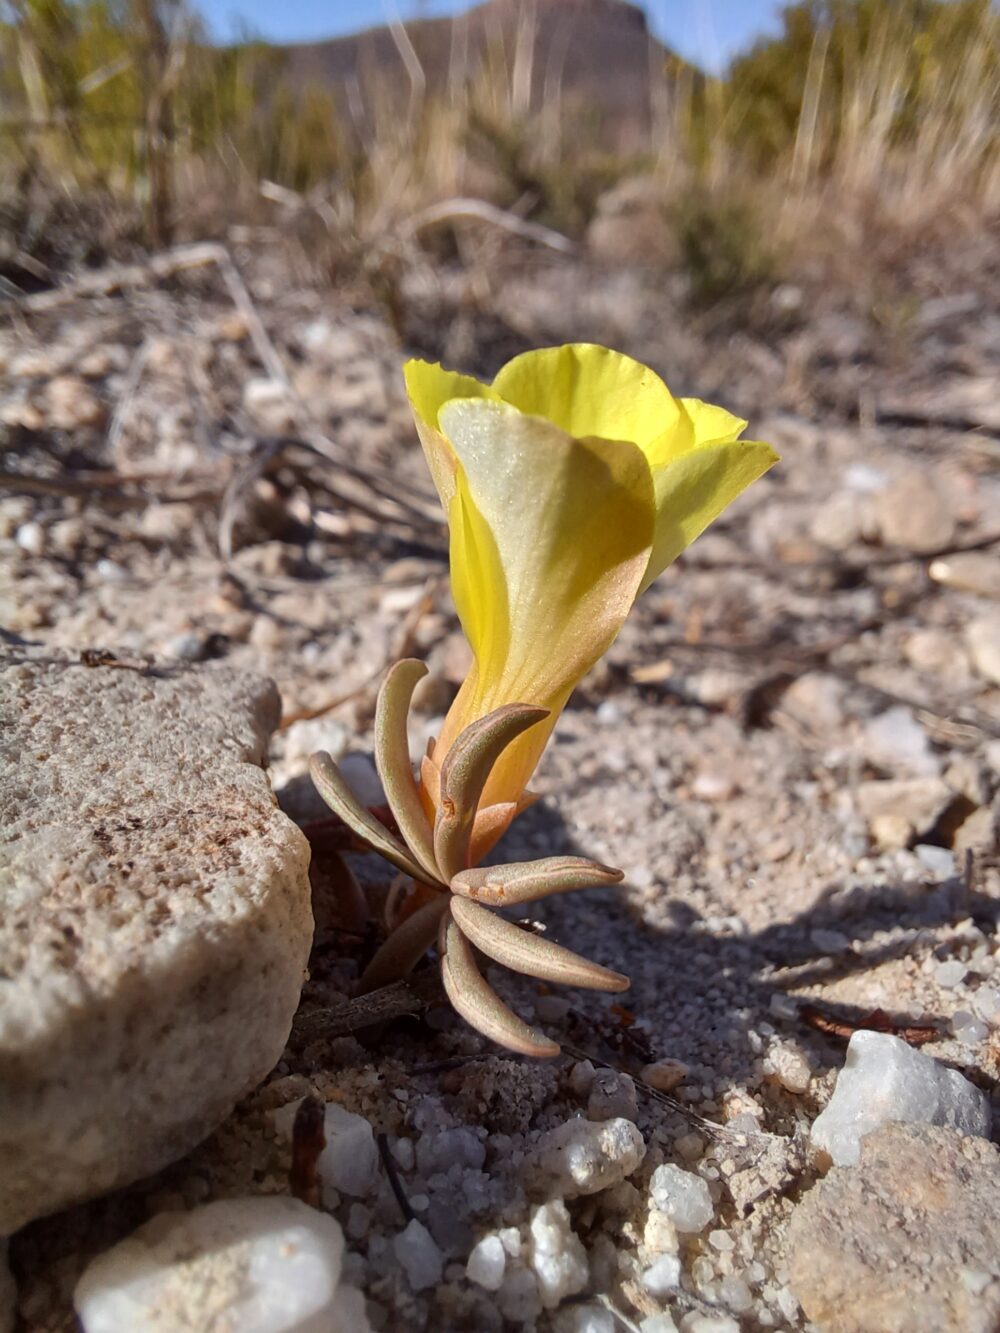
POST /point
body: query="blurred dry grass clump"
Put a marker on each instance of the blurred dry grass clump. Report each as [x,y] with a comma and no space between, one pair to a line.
[123,127]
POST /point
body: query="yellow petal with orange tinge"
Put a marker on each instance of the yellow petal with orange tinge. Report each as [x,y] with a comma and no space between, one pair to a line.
[589,390]
[550,537]
[694,489]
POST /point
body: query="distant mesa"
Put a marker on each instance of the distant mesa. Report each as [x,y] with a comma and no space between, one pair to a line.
[595,54]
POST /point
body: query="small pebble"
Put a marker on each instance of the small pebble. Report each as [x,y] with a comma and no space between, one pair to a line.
[683,1196]
[663,1277]
[969,1029]
[350,1161]
[735,1294]
[31,538]
[585,1319]
[487,1263]
[690,1146]
[557,1255]
[951,973]
[665,1075]
[657,1323]
[782,1005]
[611,1095]
[584,1156]
[884,1079]
[721,1241]
[418,1256]
[260,1265]
[940,861]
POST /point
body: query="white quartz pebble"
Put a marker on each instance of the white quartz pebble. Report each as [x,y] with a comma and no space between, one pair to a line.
[584,1156]
[885,1079]
[557,1256]
[487,1263]
[585,1319]
[260,1265]
[683,1196]
[349,1162]
[657,1323]
[419,1256]
[664,1276]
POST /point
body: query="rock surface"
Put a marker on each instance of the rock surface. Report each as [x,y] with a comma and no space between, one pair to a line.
[884,1079]
[263,1265]
[154,918]
[908,1241]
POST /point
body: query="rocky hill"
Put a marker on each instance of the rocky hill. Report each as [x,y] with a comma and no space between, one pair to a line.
[597,52]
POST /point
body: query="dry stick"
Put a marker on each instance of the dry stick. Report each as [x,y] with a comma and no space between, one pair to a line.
[484,212]
[182,258]
[117,276]
[126,398]
[709,1126]
[392,1175]
[413,995]
[241,480]
[401,646]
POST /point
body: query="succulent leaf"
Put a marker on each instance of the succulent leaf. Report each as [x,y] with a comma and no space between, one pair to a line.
[478,1003]
[527,881]
[464,774]
[334,789]
[392,759]
[507,943]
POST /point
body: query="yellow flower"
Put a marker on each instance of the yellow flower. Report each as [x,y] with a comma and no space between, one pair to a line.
[569,484]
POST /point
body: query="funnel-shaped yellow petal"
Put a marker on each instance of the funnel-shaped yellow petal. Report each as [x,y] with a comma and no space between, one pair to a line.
[569,484]
[550,537]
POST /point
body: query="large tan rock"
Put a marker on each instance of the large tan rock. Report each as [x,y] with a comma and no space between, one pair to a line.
[154,918]
[905,1242]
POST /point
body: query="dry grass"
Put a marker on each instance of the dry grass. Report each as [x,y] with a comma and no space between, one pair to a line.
[865,113]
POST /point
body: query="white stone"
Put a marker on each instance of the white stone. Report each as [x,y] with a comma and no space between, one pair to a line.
[683,1196]
[708,1323]
[790,1066]
[31,538]
[419,1256]
[734,1293]
[487,1263]
[440,1150]
[518,1297]
[557,1255]
[271,404]
[261,1265]
[349,1162]
[983,639]
[154,918]
[657,1323]
[585,1319]
[968,1028]
[884,1079]
[663,1277]
[895,740]
[584,1156]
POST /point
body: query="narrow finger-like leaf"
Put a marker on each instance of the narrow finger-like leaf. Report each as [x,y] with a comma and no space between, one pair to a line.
[392,759]
[464,772]
[405,947]
[333,787]
[478,1003]
[527,881]
[507,943]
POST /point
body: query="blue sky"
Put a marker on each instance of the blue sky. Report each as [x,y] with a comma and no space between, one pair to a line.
[708,32]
